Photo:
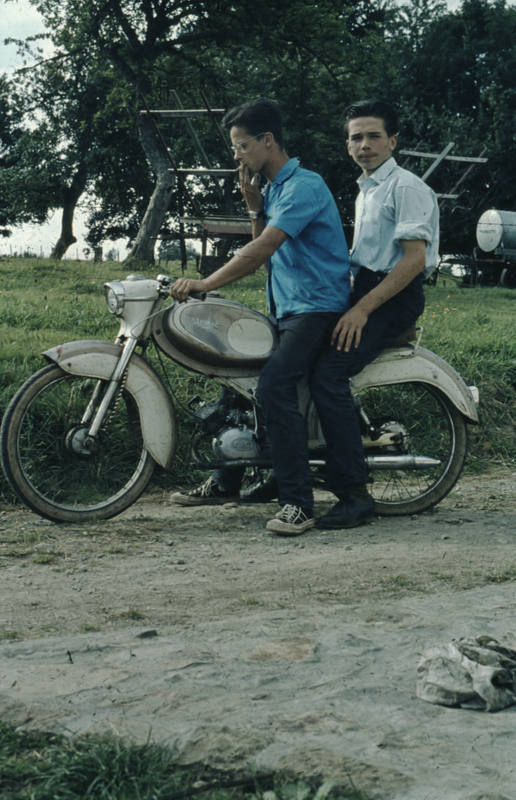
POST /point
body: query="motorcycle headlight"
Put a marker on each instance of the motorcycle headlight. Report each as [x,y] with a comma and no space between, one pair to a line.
[115,297]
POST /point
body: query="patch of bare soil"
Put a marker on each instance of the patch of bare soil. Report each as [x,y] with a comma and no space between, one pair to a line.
[199,626]
[164,564]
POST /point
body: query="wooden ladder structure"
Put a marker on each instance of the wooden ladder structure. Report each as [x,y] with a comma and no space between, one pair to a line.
[438,158]
[206,227]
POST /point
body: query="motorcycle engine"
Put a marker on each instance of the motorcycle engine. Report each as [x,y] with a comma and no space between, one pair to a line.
[237,442]
[232,431]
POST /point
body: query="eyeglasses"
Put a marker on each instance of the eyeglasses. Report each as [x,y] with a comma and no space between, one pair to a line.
[242,145]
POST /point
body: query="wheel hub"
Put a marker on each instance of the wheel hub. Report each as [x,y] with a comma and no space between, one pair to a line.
[398,435]
[79,444]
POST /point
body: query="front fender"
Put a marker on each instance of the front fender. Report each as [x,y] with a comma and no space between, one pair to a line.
[97,359]
[408,364]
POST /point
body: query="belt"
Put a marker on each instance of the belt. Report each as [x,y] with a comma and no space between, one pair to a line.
[371,273]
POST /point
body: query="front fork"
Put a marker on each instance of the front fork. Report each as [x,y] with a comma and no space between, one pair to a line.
[109,395]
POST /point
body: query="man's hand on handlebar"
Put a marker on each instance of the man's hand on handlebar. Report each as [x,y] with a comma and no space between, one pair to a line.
[183,287]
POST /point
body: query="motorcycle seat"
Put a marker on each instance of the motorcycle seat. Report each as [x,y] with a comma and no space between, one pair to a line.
[408,336]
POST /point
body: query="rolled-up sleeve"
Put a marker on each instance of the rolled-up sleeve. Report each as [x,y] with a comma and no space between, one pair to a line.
[416,215]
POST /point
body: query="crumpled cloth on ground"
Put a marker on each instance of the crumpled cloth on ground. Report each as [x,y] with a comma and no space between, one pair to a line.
[478,672]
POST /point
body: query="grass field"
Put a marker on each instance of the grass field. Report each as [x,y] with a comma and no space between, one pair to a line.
[44,303]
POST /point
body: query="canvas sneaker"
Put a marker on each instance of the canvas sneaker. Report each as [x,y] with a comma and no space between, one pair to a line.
[207,494]
[292,521]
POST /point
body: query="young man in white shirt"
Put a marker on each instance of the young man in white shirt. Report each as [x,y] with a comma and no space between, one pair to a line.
[395,246]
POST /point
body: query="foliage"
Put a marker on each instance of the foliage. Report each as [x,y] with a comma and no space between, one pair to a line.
[171,251]
[77,131]
[310,57]
[10,133]
[44,766]
[73,120]
[456,75]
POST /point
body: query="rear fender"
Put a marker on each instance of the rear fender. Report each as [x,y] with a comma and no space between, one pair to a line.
[409,364]
[97,359]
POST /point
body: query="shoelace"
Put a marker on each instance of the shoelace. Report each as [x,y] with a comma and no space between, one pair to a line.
[290,513]
[205,488]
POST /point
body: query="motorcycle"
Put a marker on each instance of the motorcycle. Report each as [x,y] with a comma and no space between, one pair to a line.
[82,437]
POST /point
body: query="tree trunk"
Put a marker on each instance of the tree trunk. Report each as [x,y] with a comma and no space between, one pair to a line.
[71,196]
[145,242]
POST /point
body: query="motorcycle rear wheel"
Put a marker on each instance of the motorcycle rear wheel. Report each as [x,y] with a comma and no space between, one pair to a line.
[430,426]
[46,470]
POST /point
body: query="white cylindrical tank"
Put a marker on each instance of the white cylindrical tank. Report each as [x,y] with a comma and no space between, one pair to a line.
[497,229]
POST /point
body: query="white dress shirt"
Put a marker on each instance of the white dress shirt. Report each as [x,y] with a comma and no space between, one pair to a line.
[393,205]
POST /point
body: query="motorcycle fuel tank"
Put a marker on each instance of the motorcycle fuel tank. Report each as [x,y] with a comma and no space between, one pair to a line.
[218,334]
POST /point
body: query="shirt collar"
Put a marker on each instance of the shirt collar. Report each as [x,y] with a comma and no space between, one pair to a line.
[380,174]
[286,171]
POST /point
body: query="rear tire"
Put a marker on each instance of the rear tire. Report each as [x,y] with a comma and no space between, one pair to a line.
[432,426]
[46,469]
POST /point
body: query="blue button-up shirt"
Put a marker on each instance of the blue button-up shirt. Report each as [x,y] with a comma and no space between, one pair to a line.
[393,205]
[310,271]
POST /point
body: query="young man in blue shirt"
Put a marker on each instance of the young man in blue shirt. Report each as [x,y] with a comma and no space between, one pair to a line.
[298,232]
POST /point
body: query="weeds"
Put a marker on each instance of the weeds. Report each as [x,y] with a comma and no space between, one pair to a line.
[16,553]
[399,582]
[43,766]
[9,636]
[45,558]
[508,574]
[250,601]
[443,576]
[132,613]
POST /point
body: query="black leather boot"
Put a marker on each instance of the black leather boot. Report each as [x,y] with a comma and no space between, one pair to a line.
[355,507]
[264,491]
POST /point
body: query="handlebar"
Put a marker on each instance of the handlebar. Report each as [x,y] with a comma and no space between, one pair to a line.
[198,295]
[166,283]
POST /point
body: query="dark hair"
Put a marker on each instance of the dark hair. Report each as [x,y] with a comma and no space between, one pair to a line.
[373,108]
[257,116]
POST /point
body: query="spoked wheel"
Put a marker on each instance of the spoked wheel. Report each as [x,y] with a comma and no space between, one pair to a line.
[48,462]
[424,423]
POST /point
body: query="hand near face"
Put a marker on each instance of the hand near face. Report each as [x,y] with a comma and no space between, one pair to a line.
[249,186]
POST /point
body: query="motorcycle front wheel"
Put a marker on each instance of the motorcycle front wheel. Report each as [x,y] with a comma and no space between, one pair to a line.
[47,465]
[425,423]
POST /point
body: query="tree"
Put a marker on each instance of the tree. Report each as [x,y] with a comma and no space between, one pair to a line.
[10,132]
[311,57]
[457,78]
[67,128]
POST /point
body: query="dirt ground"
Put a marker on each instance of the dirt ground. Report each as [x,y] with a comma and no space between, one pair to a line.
[203,582]
[164,564]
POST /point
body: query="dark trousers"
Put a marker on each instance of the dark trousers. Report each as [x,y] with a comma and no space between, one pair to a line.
[304,347]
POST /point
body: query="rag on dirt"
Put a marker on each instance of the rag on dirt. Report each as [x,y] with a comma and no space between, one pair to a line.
[477,673]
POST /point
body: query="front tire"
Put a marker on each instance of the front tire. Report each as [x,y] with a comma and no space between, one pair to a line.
[429,425]
[43,459]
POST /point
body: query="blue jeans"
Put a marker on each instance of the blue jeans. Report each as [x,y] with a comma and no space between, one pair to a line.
[304,347]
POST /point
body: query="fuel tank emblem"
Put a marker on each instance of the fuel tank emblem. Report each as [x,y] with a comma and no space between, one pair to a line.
[205,323]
